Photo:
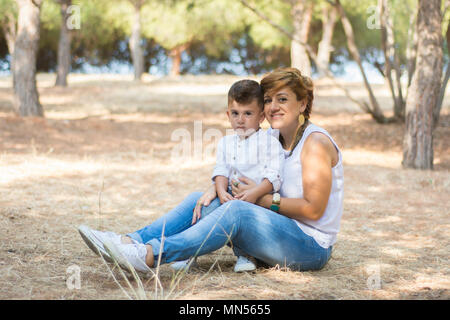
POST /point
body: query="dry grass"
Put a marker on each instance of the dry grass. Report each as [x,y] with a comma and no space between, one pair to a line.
[101,157]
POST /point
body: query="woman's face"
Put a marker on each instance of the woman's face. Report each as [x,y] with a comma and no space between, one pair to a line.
[282,108]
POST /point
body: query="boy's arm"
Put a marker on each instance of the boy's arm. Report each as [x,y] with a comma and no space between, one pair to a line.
[221,169]
[274,163]
[253,193]
[221,188]
[273,167]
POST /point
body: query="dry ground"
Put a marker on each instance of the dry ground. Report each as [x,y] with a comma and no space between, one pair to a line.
[102,157]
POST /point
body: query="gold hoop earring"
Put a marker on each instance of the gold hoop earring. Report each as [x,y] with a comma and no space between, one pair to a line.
[301,119]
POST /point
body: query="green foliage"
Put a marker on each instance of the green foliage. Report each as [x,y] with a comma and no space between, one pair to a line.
[216,31]
[359,13]
[175,23]
[7,6]
[261,32]
[48,42]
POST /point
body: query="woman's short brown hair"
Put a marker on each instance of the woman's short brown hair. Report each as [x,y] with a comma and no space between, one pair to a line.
[292,78]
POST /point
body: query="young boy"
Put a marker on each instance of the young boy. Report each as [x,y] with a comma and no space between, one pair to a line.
[250,152]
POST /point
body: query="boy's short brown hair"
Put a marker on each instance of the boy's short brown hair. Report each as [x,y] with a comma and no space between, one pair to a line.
[245,91]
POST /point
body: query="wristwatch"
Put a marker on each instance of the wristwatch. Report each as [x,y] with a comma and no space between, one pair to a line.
[275,206]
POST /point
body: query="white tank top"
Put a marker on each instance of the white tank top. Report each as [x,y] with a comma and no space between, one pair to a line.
[324,230]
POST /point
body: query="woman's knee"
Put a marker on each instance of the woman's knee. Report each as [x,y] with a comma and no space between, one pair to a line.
[233,205]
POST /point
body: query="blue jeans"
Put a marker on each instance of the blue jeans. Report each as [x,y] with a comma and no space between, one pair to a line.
[261,233]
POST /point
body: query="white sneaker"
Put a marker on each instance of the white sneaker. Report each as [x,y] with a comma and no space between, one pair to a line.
[95,239]
[128,256]
[244,264]
[185,265]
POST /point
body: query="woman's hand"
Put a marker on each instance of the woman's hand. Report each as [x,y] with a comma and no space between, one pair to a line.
[224,197]
[204,200]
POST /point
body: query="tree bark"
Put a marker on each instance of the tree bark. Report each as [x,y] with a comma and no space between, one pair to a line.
[137,54]
[26,97]
[175,55]
[411,49]
[64,56]
[329,15]
[424,89]
[301,15]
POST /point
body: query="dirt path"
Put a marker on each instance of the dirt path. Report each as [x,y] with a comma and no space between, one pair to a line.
[103,157]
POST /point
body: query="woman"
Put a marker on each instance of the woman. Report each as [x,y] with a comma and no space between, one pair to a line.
[296,228]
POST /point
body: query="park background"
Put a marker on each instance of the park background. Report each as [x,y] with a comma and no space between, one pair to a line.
[91,93]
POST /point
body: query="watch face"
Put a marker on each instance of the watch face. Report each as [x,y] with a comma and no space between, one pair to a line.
[276,198]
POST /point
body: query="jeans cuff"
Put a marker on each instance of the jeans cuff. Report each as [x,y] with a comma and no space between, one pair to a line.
[156,246]
[135,236]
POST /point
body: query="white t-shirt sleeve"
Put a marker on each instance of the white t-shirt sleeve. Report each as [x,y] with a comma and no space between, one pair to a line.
[221,168]
[273,162]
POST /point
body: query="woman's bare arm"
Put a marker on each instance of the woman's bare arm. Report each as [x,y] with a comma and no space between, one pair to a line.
[206,198]
[318,157]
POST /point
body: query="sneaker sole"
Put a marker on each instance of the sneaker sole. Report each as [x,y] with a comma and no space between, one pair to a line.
[115,254]
[86,236]
[187,266]
[246,268]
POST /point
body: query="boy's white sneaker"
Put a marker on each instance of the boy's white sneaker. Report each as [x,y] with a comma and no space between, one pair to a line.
[95,239]
[128,256]
[185,265]
[244,264]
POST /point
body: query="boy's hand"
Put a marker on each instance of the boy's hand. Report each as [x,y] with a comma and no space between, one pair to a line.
[249,195]
[247,190]
[243,184]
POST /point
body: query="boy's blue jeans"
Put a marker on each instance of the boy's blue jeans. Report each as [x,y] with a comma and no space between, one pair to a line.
[250,229]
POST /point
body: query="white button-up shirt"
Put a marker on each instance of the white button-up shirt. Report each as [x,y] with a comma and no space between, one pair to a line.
[258,157]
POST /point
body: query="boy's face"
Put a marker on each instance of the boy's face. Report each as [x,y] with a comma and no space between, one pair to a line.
[245,118]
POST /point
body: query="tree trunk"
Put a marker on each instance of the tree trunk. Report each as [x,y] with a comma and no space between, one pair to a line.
[175,55]
[411,48]
[374,109]
[137,54]
[64,57]
[424,89]
[437,109]
[329,15]
[391,58]
[26,97]
[301,15]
